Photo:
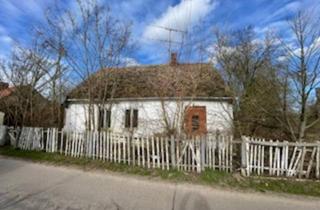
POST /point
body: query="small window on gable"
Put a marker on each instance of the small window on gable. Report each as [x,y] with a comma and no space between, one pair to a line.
[195,122]
[104,118]
[131,118]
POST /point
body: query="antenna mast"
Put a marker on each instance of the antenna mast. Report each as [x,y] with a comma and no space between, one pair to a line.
[170,41]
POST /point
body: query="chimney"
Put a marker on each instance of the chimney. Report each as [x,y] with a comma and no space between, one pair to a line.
[3,85]
[173,59]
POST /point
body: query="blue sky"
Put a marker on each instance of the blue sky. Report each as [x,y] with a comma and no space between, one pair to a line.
[18,17]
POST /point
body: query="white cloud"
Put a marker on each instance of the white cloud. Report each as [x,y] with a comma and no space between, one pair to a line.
[291,7]
[4,39]
[272,27]
[129,62]
[16,9]
[6,43]
[181,16]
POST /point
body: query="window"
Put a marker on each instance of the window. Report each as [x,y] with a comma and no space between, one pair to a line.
[104,118]
[131,118]
[135,118]
[195,123]
[128,118]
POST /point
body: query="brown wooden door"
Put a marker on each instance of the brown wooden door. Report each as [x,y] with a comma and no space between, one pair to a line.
[195,120]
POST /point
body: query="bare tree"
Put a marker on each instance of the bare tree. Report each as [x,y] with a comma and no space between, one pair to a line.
[302,56]
[91,40]
[27,72]
[246,63]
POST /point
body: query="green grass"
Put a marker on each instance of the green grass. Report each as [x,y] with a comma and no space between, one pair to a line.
[208,177]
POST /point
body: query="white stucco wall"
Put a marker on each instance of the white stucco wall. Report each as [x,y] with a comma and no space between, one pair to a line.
[150,115]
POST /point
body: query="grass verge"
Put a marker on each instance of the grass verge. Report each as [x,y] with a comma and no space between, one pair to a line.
[208,177]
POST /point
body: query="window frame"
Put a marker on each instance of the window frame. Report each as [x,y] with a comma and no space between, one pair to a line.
[104,118]
[131,118]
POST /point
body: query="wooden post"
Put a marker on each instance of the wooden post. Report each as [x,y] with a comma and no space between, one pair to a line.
[172,151]
[67,144]
[219,152]
[124,149]
[209,146]
[203,146]
[111,147]
[129,149]
[318,161]
[302,162]
[133,150]
[142,148]
[190,146]
[82,144]
[148,152]
[119,148]
[104,146]
[214,146]
[259,159]
[138,149]
[153,152]
[227,153]
[244,157]
[185,155]
[167,152]
[177,144]
[231,154]
[270,159]
[314,150]
[162,153]
[61,142]
[198,157]
[262,157]
[158,152]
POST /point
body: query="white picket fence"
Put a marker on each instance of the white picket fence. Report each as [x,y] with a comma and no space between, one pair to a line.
[187,154]
[258,156]
[274,158]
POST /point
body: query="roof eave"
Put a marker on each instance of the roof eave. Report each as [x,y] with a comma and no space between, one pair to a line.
[224,99]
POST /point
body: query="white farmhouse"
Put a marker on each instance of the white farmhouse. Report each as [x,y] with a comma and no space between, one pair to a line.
[146,100]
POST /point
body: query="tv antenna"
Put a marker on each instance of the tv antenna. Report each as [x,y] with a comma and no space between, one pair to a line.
[169,40]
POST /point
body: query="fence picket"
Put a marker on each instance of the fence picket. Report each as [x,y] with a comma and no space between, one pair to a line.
[162,153]
[138,151]
[129,149]
[167,152]
[119,148]
[158,152]
[318,161]
[142,148]
[148,152]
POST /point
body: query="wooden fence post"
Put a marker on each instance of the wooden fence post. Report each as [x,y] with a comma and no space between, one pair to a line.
[198,155]
[302,162]
[172,151]
[203,146]
[244,156]
[318,161]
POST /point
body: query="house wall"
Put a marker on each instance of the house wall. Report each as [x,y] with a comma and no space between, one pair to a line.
[150,115]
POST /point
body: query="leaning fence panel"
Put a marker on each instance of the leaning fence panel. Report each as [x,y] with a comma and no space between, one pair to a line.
[274,158]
